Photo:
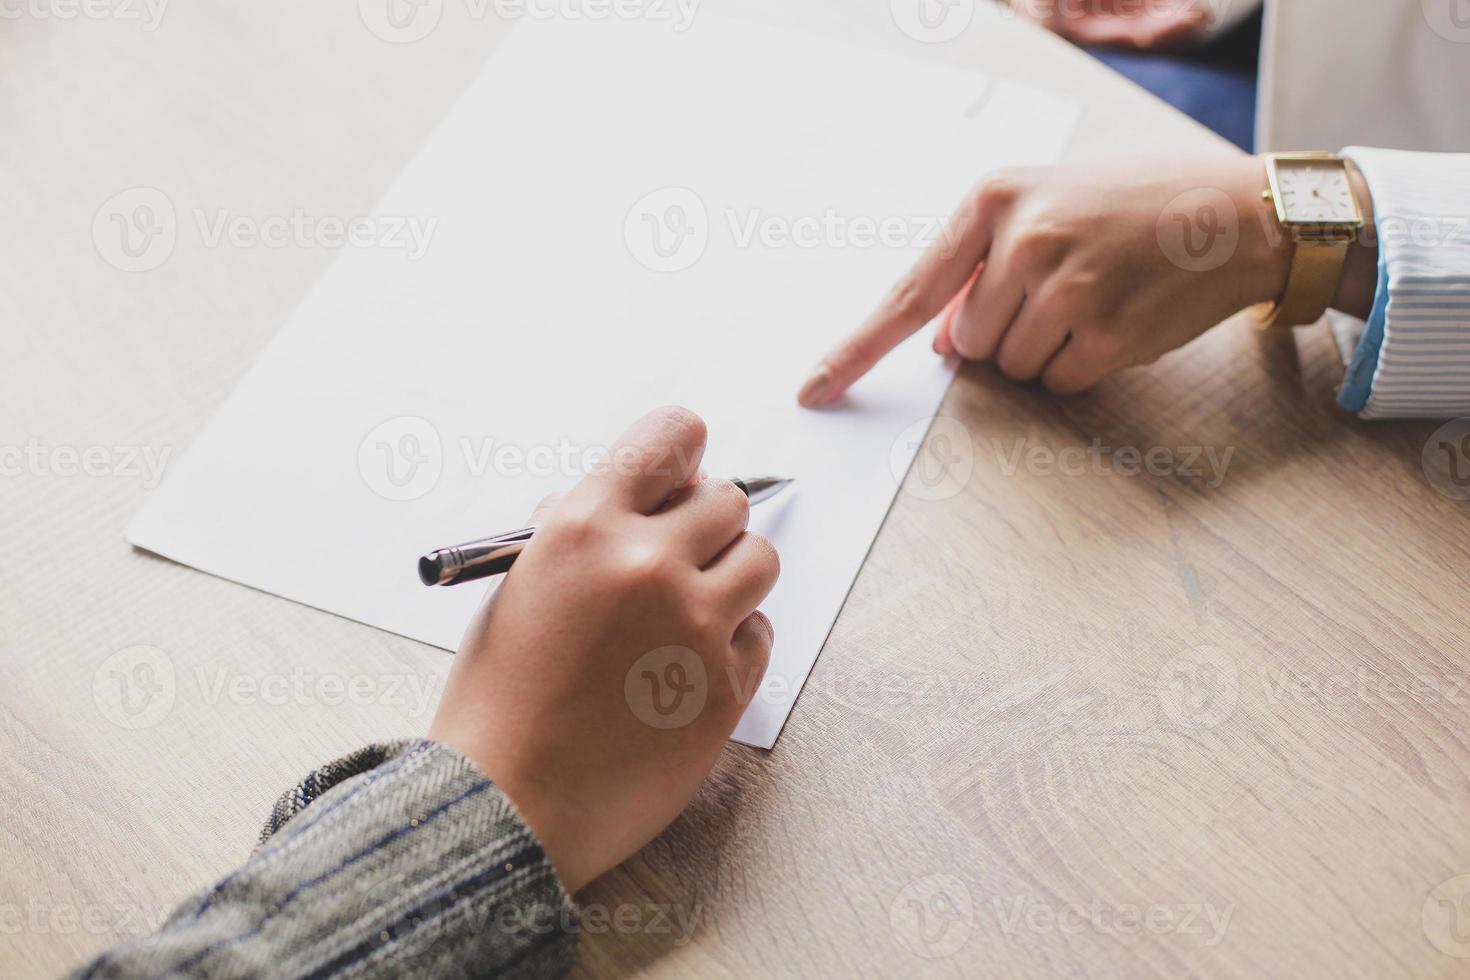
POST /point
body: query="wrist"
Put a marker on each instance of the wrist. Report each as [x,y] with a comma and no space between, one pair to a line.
[1266,248]
[1360,272]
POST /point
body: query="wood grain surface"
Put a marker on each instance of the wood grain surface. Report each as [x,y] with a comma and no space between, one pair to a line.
[1169,679]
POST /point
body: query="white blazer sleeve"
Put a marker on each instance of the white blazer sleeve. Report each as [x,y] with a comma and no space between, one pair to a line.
[1413,360]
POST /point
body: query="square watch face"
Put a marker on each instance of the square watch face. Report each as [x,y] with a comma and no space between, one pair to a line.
[1315,191]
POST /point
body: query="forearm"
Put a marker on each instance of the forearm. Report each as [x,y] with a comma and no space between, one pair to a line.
[399,860]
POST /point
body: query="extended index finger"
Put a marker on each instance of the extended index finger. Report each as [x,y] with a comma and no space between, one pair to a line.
[918,298]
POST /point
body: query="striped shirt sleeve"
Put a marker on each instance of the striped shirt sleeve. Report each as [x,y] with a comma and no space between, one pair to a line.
[1413,360]
[400,860]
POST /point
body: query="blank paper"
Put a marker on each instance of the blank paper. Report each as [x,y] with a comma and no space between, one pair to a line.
[623,216]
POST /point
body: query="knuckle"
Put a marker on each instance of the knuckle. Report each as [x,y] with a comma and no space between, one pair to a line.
[648,567]
[1041,244]
[732,501]
[907,297]
[704,621]
[576,523]
[999,190]
[1082,287]
[767,558]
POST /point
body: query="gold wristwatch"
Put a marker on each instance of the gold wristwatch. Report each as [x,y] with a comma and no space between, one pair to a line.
[1316,207]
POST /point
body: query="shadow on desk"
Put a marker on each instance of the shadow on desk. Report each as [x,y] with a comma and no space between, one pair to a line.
[1235,408]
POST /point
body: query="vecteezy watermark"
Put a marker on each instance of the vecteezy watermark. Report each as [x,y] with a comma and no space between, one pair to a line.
[147,14]
[1424,231]
[1450,19]
[933,916]
[300,228]
[35,458]
[137,230]
[1023,914]
[407,21]
[1199,230]
[1391,230]
[932,21]
[1206,463]
[402,458]
[1199,688]
[39,917]
[941,455]
[670,229]
[667,688]
[832,229]
[401,21]
[674,920]
[1364,685]
[934,695]
[1446,916]
[135,688]
[1446,459]
[943,458]
[380,909]
[299,687]
[667,230]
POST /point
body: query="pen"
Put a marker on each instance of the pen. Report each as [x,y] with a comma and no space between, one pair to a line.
[494,556]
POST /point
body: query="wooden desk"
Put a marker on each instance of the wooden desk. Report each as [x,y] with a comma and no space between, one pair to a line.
[1116,722]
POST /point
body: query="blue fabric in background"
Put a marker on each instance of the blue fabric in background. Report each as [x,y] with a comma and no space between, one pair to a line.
[1214,84]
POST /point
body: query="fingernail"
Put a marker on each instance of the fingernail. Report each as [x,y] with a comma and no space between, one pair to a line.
[816,386]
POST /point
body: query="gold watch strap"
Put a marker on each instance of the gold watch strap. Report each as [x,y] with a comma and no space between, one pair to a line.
[1316,273]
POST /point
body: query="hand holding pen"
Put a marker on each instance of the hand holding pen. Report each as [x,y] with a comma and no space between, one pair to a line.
[599,683]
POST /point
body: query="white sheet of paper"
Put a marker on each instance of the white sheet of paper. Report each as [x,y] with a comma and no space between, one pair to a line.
[622,217]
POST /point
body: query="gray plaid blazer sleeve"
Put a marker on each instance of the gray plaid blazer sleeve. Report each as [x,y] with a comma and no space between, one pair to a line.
[400,860]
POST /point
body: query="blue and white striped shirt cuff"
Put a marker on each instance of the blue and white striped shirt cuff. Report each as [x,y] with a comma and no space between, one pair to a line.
[1413,360]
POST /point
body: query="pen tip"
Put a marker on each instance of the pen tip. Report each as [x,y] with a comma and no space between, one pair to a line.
[429,569]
